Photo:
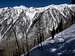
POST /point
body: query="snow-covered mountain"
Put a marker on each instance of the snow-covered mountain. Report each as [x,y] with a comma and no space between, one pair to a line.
[22,17]
[26,24]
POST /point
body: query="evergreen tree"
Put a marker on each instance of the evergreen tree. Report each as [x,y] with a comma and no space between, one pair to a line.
[53,33]
[60,27]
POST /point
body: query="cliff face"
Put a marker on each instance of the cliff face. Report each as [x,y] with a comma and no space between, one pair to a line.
[26,24]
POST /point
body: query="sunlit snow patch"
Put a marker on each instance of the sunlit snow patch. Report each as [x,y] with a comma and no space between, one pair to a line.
[52,41]
[53,49]
[59,54]
[60,40]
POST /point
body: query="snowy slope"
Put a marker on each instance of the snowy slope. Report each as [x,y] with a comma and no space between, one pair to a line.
[62,45]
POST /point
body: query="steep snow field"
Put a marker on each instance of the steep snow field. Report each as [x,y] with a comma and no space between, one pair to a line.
[62,45]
